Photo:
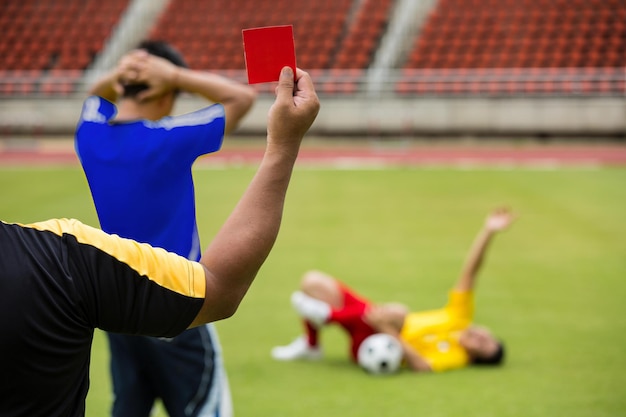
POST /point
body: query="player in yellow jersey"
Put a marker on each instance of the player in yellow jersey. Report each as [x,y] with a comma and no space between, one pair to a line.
[435,340]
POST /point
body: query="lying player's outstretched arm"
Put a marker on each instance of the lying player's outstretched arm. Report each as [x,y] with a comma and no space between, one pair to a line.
[496,221]
[235,255]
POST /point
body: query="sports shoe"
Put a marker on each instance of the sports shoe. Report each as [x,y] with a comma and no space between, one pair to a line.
[298,349]
[312,309]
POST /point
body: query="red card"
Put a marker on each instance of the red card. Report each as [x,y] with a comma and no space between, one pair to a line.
[267,50]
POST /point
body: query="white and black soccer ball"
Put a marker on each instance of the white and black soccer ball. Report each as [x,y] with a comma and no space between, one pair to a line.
[380,354]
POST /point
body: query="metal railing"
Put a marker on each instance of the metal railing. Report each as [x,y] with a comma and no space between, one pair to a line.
[358,83]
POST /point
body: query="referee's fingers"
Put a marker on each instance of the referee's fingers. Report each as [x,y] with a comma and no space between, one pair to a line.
[284,89]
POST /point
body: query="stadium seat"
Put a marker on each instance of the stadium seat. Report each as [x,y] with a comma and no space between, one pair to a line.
[335,34]
[217,27]
[52,27]
[46,36]
[324,36]
[530,34]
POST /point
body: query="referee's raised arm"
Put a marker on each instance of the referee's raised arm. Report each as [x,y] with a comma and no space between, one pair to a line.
[237,252]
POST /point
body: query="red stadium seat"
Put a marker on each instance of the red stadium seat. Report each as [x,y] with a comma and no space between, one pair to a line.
[342,34]
[543,34]
[45,28]
[318,28]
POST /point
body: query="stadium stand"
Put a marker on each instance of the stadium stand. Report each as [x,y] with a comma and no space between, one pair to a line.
[465,47]
[356,50]
[363,35]
[340,34]
[47,45]
[519,46]
[209,33]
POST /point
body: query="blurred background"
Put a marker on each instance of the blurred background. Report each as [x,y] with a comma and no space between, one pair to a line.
[494,71]
[536,68]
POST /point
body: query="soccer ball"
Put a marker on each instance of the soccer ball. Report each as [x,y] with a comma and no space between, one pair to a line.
[380,354]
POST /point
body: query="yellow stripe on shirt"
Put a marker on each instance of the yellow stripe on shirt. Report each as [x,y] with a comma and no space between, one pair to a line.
[167,269]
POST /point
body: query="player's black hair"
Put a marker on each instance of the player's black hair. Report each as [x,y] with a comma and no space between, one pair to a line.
[496,359]
[161,49]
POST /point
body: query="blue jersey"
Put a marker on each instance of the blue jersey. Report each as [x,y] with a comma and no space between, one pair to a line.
[139,172]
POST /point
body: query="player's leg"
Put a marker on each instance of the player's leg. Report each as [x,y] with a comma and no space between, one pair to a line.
[226,401]
[218,402]
[186,373]
[313,303]
[322,287]
[344,307]
[320,294]
[321,300]
[132,391]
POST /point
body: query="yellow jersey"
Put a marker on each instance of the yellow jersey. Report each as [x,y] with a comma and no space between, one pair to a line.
[434,334]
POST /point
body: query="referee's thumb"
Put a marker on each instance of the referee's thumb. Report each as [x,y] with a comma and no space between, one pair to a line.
[285,84]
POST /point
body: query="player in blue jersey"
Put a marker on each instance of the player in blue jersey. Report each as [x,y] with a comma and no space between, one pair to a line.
[137,160]
[60,279]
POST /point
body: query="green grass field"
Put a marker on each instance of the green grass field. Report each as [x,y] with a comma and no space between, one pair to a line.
[553,286]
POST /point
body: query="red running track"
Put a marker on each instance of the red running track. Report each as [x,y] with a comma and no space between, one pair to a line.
[379,156]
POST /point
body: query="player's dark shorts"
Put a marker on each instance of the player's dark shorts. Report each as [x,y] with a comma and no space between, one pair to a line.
[179,371]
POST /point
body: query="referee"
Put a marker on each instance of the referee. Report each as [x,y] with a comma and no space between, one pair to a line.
[60,279]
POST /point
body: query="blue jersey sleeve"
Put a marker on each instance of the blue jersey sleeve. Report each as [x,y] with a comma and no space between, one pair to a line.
[197,133]
[184,137]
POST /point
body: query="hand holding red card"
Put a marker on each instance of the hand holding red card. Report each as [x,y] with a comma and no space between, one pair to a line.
[267,50]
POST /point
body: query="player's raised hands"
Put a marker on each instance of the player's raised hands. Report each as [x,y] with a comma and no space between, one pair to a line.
[159,74]
[138,67]
[130,65]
